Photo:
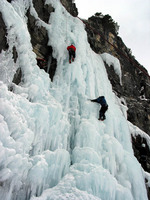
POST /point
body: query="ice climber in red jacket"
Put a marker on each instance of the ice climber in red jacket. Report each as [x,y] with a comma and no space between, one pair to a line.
[72,52]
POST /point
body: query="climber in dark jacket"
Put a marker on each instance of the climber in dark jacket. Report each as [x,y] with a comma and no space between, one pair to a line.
[104,106]
[72,52]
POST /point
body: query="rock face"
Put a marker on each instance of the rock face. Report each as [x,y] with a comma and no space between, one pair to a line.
[103,37]
[3,41]
[142,153]
[39,37]
[70,7]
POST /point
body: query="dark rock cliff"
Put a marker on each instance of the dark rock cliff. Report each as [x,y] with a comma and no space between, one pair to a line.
[70,7]
[3,41]
[103,37]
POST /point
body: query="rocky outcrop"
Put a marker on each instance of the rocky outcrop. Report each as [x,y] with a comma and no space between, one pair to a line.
[3,35]
[39,36]
[142,153]
[70,7]
[43,10]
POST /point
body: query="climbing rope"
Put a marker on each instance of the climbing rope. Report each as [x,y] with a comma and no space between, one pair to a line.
[66,29]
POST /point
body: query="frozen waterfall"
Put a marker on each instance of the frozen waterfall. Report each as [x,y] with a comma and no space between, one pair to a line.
[52,145]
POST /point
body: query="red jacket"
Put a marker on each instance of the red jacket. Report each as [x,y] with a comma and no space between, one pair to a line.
[71,47]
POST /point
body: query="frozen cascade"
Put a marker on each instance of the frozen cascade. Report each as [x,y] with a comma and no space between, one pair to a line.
[52,145]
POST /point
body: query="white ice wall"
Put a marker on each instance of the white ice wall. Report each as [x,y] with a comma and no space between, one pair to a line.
[52,144]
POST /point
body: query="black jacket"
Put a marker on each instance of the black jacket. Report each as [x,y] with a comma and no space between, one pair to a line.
[101,100]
